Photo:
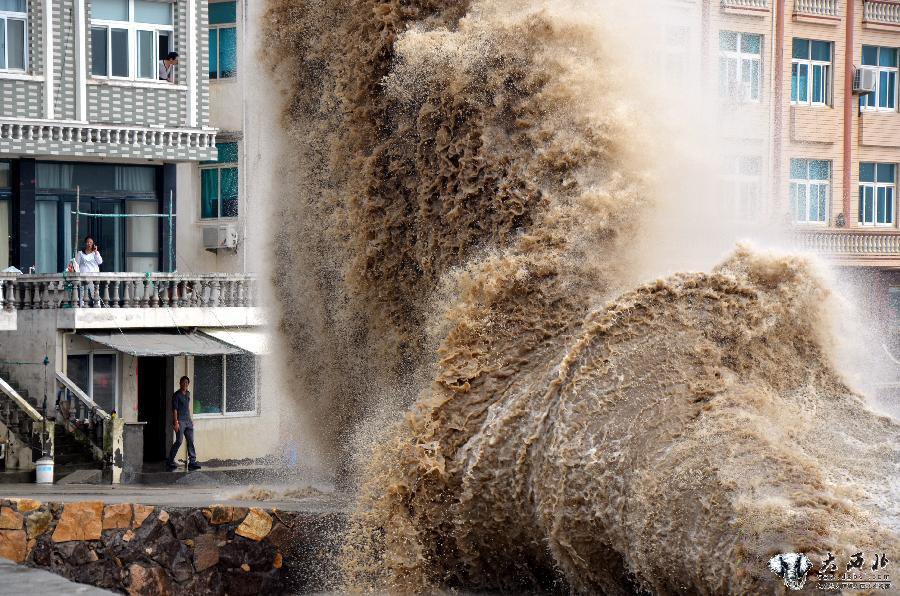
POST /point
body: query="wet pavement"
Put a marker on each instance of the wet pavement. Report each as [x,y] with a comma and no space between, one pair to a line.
[18,580]
[312,499]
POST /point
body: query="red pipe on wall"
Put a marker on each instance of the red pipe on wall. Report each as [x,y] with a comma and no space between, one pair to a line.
[848,107]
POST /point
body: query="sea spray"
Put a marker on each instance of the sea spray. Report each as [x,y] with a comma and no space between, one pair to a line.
[474,191]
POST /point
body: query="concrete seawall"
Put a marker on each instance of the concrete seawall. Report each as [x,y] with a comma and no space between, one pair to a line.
[146,549]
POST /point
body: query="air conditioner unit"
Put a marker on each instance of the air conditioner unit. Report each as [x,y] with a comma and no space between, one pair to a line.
[216,237]
[864,80]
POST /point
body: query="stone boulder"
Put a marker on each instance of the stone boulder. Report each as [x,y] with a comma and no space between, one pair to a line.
[13,545]
[80,521]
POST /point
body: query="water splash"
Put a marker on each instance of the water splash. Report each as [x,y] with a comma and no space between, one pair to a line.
[469,204]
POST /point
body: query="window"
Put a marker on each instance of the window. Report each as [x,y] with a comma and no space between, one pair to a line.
[740,66]
[225,384]
[676,55]
[811,73]
[95,374]
[222,40]
[876,194]
[219,184]
[810,187]
[742,187]
[129,37]
[5,213]
[13,25]
[884,60]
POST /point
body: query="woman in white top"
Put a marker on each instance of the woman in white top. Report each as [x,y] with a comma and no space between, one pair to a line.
[89,259]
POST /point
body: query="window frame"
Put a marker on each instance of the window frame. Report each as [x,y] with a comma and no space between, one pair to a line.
[132,27]
[895,70]
[808,183]
[734,184]
[811,64]
[727,91]
[7,15]
[219,166]
[224,397]
[89,391]
[875,186]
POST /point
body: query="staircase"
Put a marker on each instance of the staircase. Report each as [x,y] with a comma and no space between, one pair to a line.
[71,450]
[23,417]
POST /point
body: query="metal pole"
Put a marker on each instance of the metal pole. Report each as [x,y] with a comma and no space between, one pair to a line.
[171,234]
[77,220]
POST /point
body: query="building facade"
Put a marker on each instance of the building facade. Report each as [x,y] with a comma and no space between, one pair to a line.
[98,139]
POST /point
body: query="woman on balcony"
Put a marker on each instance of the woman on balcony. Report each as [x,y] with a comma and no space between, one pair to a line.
[89,259]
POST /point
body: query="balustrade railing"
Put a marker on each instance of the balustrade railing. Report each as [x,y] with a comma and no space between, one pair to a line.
[816,8]
[850,243]
[87,419]
[127,290]
[882,11]
[746,4]
[92,134]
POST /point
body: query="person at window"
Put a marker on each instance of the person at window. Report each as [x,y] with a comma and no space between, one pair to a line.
[89,259]
[167,67]
[183,425]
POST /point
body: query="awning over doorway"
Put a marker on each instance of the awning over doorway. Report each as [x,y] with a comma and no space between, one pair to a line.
[256,341]
[163,344]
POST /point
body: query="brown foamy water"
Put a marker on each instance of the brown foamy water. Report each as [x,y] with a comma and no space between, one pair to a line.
[464,240]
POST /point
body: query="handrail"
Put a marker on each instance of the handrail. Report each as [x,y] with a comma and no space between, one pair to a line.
[81,395]
[20,401]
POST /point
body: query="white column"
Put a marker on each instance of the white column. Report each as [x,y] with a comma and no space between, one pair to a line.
[193,59]
[49,46]
[80,63]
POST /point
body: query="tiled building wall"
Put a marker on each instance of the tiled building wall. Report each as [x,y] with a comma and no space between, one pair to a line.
[21,99]
[110,150]
[64,59]
[143,106]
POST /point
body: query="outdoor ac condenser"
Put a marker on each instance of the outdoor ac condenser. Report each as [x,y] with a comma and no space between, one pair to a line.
[216,237]
[864,80]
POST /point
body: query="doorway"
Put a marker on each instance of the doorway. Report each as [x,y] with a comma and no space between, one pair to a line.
[152,406]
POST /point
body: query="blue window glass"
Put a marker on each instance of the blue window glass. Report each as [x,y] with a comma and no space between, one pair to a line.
[214,53]
[209,193]
[887,57]
[229,192]
[818,88]
[228,152]
[870,56]
[728,41]
[819,169]
[867,172]
[801,48]
[885,172]
[148,11]
[798,169]
[751,44]
[222,13]
[821,51]
[227,52]
[803,82]
[110,10]
[12,5]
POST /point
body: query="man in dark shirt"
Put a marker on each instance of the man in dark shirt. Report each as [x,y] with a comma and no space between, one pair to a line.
[184,426]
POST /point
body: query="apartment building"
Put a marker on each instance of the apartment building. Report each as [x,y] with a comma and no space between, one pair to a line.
[93,142]
[803,140]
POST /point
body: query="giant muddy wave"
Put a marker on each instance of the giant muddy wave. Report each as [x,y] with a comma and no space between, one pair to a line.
[463,238]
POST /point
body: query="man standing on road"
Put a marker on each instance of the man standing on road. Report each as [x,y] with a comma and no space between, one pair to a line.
[184,426]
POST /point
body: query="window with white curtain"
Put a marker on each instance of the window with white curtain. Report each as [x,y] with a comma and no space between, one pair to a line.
[810,189]
[877,182]
[13,35]
[225,384]
[884,61]
[740,66]
[129,37]
[742,178]
[811,72]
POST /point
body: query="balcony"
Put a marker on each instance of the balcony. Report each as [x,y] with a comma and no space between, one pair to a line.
[134,300]
[881,14]
[751,7]
[70,138]
[816,10]
[866,247]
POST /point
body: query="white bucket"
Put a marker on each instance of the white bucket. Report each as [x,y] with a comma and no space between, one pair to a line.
[45,470]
